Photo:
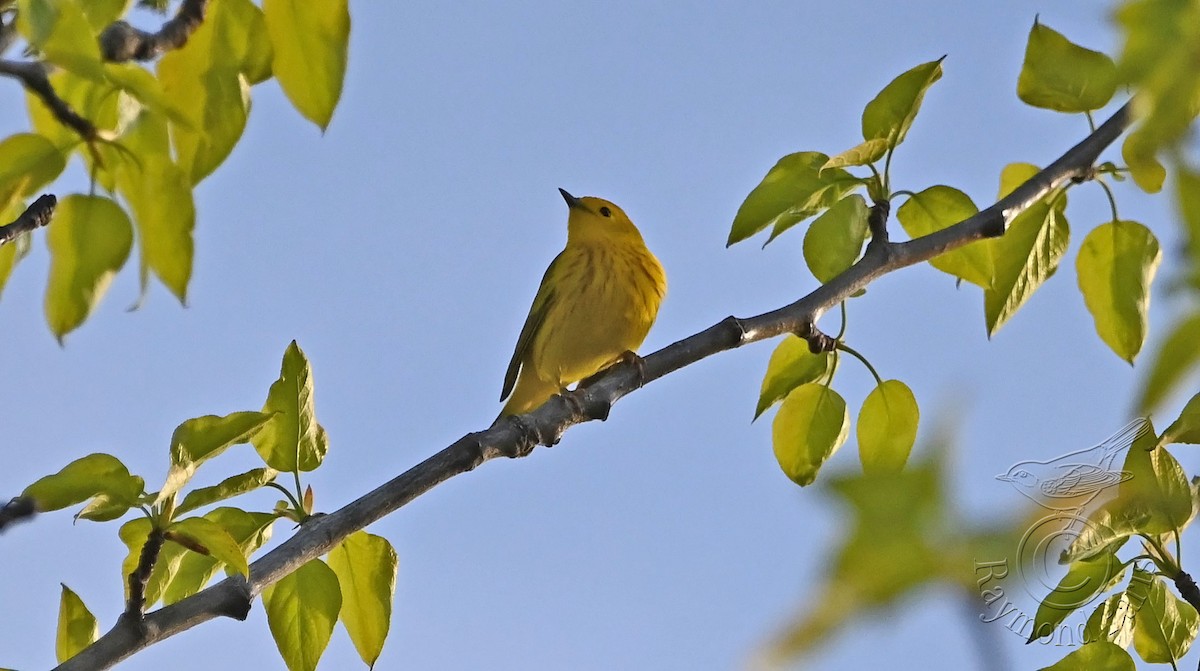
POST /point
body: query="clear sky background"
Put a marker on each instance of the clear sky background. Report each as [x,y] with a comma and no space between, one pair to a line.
[402,250]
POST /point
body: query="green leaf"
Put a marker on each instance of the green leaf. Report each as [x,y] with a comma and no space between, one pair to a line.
[866,153]
[252,42]
[1143,165]
[250,530]
[1083,581]
[835,239]
[160,196]
[791,365]
[1156,483]
[60,30]
[1158,60]
[293,440]
[1107,528]
[206,75]
[100,13]
[887,427]
[1028,253]
[365,565]
[81,480]
[200,531]
[1177,356]
[301,611]
[134,535]
[1099,656]
[27,163]
[147,90]
[795,189]
[202,438]
[1112,621]
[940,207]
[77,627]
[812,423]
[1062,76]
[310,40]
[1186,428]
[1165,626]
[89,241]
[108,507]
[1115,267]
[234,485]
[891,113]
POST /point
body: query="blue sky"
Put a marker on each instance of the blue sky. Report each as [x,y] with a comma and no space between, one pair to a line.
[402,250]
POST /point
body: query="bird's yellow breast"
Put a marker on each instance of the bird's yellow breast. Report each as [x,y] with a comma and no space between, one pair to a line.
[606,299]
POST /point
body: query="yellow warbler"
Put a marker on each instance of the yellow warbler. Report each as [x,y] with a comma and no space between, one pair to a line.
[596,302]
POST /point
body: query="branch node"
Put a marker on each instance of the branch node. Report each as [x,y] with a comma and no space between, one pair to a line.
[877,222]
[140,577]
[818,342]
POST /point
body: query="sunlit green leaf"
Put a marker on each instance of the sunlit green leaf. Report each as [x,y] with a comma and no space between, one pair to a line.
[230,487]
[1143,166]
[89,239]
[202,438]
[1098,656]
[1156,483]
[77,627]
[791,365]
[13,252]
[1165,626]
[310,41]
[293,440]
[146,89]
[205,75]
[1027,254]
[835,239]
[1112,621]
[866,153]
[939,207]
[1186,428]
[887,427]
[890,114]
[1115,267]
[795,189]
[1060,75]
[250,530]
[59,29]
[365,565]
[200,531]
[82,479]
[812,423]
[100,13]
[301,611]
[1158,60]
[1083,581]
[27,163]
[1112,523]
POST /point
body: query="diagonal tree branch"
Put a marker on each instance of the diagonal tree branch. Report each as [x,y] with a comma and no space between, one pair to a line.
[119,42]
[517,437]
[34,216]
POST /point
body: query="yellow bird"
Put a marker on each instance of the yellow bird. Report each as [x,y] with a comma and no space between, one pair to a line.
[596,302]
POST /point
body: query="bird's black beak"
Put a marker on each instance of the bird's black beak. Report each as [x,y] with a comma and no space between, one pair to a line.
[572,201]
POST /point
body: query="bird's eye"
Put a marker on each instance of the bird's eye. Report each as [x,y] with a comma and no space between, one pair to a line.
[606,212]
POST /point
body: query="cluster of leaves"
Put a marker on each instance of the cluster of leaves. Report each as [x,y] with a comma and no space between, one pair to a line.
[158,132]
[174,553]
[1115,265]
[1155,503]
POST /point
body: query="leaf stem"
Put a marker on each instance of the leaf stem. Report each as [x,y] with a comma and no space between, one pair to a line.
[849,350]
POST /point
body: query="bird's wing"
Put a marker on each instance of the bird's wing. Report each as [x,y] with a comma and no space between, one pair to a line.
[533,323]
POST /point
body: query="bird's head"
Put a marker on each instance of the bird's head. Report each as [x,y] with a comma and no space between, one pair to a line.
[592,218]
[1019,476]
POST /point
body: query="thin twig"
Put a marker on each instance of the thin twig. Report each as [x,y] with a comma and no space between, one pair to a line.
[34,216]
[34,76]
[519,435]
[139,578]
